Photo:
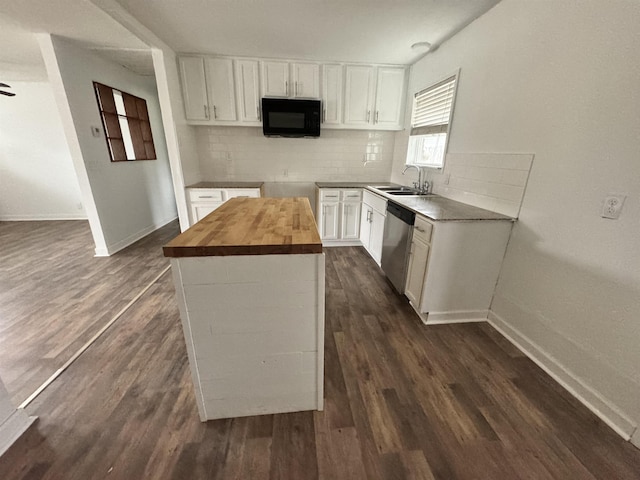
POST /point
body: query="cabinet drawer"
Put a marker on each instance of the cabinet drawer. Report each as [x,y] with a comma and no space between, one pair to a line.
[205,195]
[243,192]
[351,195]
[330,195]
[422,229]
[377,202]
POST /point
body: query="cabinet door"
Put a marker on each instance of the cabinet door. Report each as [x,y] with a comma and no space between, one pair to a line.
[350,221]
[221,89]
[377,234]
[365,226]
[389,97]
[247,78]
[201,210]
[194,88]
[306,80]
[275,79]
[418,257]
[330,219]
[332,94]
[358,95]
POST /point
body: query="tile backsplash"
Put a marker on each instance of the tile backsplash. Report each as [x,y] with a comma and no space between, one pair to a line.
[494,181]
[245,154]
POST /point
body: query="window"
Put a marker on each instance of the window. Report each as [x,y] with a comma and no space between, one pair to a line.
[430,119]
[126,124]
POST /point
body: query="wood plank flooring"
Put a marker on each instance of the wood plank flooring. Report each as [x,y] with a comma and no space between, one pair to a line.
[403,401]
[55,295]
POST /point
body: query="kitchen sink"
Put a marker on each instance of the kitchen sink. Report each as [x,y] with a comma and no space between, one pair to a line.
[402,192]
[394,189]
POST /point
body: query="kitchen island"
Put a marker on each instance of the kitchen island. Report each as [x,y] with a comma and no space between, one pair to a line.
[249,281]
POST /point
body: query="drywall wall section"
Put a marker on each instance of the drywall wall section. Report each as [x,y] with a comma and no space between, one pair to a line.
[131,198]
[556,79]
[181,143]
[37,178]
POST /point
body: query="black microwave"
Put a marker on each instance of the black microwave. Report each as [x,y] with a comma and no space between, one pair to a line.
[291,118]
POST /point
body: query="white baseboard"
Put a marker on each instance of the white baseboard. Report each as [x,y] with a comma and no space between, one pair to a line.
[341,243]
[590,398]
[13,427]
[125,242]
[635,438]
[438,318]
[42,216]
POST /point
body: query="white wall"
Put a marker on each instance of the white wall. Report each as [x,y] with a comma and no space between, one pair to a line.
[560,79]
[37,179]
[131,198]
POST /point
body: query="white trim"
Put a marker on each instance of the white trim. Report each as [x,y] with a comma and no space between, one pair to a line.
[600,406]
[125,242]
[462,316]
[42,216]
[635,438]
[320,265]
[14,426]
[342,243]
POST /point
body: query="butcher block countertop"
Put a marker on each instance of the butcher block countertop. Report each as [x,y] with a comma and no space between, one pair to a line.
[251,226]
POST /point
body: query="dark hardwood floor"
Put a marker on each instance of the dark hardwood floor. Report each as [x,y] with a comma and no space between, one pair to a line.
[55,295]
[403,401]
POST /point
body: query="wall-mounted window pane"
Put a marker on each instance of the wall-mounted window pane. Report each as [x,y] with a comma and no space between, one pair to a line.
[430,122]
[126,124]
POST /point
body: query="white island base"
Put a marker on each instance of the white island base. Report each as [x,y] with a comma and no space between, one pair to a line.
[254,330]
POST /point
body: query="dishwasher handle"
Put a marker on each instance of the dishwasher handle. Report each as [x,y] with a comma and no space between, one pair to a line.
[407,216]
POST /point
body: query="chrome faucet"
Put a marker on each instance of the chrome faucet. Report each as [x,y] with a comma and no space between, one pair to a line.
[422,185]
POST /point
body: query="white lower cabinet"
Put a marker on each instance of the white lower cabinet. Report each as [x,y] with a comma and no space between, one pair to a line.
[454,267]
[339,215]
[418,260]
[203,201]
[374,212]
[330,221]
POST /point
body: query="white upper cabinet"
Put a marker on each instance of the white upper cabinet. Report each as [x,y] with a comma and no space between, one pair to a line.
[248,87]
[374,97]
[359,89]
[389,105]
[332,94]
[221,89]
[275,79]
[228,91]
[290,80]
[194,88]
[306,80]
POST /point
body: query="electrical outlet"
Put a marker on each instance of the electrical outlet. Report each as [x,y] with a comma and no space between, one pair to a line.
[612,206]
[95,131]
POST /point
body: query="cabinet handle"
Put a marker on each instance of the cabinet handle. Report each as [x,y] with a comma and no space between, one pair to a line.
[286,88]
[368,115]
[324,115]
[205,196]
[420,229]
[206,111]
[215,112]
[258,110]
[296,89]
[376,120]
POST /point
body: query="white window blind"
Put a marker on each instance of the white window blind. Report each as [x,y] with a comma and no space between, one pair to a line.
[432,108]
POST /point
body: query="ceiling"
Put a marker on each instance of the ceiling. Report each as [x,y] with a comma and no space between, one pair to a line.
[370,31]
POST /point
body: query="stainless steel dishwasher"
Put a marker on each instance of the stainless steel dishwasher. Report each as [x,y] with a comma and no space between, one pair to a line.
[395,244]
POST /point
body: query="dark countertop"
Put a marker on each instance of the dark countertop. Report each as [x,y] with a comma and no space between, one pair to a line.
[226,185]
[441,209]
[349,184]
